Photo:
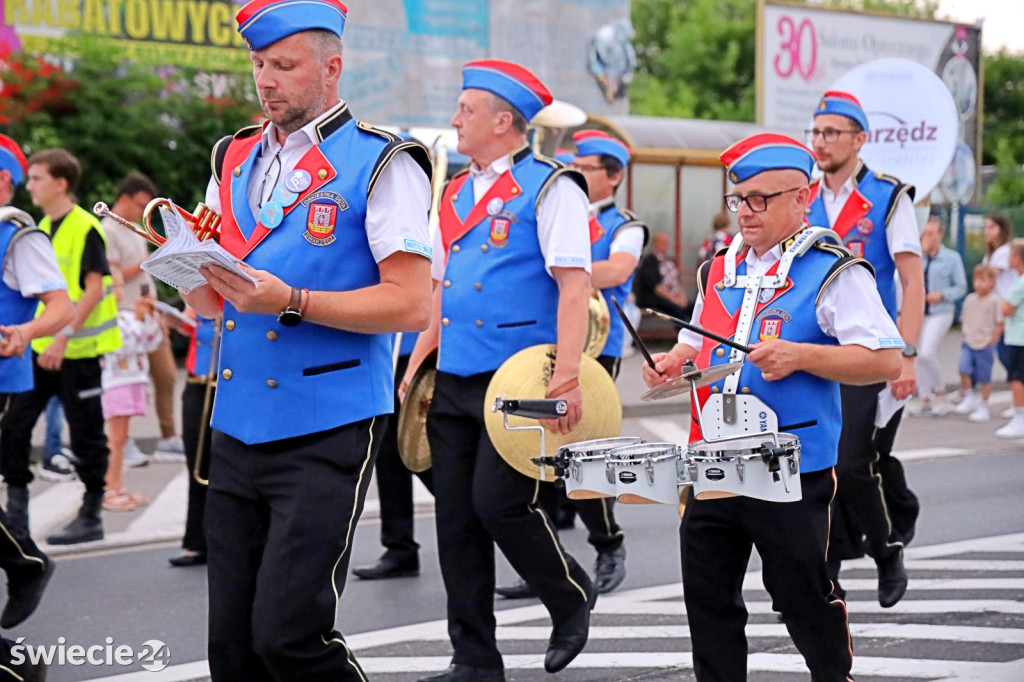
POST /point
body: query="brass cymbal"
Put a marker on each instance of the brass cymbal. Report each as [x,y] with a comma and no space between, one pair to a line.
[700,377]
[413,447]
[525,375]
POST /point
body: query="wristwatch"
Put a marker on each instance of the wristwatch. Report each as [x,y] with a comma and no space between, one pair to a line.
[909,351]
[292,314]
[67,331]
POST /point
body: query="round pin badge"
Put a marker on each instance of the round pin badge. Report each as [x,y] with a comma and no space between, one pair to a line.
[495,205]
[284,196]
[297,180]
[271,214]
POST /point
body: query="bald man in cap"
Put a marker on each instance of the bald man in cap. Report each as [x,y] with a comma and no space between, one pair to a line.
[874,215]
[825,326]
[30,275]
[514,257]
[329,215]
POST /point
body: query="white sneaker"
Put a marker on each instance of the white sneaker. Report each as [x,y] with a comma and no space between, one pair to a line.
[57,468]
[967,405]
[169,450]
[1007,413]
[1014,429]
[939,406]
[919,408]
[133,456]
[979,414]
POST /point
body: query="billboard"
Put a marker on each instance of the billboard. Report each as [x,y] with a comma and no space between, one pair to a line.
[402,57]
[804,51]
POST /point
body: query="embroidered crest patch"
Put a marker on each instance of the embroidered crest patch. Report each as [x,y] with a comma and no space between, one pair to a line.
[320,224]
[499,232]
[771,328]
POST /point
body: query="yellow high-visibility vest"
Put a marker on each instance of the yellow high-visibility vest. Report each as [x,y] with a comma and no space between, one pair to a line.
[99,333]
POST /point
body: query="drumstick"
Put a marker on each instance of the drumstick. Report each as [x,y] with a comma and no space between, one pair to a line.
[699,330]
[636,337]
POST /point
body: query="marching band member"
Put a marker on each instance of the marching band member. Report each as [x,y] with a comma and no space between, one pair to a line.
[330,216]
[805,343]
[514,261]
[874,215]
[29,274]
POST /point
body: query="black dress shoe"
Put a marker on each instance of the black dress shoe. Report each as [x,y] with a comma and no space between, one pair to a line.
[892,579]
[23,596]
[187,559]
[610,569]
[464,673]
[569,637]
[389,567]
[520,590]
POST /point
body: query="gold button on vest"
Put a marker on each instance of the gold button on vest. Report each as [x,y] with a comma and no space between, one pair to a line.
[226,374]
[229,325]
[271,383]
[483,247]
[272,335]
[322,174]
[479,323]
[447,283]
[455,248]
[720,352]
[479,287]
[446,321]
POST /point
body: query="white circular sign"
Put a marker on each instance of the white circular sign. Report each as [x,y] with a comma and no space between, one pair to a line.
[913,121]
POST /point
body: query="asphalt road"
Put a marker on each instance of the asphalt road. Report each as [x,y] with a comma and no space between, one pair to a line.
[962,619]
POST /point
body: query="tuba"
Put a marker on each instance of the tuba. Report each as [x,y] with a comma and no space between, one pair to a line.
[204,222]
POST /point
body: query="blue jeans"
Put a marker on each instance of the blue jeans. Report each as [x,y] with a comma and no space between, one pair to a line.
[54,427]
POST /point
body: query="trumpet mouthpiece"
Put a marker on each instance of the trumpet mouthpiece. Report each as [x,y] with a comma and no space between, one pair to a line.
[100,208]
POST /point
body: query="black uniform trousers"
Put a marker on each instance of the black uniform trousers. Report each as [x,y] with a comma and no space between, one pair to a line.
[21,560]
[861,509]
[480,501]
[598,514]
[193,419]
[394,487]
[79,388]
[716,537]
[279,523]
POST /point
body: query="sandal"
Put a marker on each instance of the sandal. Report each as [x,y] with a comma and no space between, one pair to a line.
[139,499]
[118,501]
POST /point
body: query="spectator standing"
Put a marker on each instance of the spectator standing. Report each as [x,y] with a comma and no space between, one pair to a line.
[982,323]
[126,250]
[1013,335]
[658,285]
[68,363]
[719,238]
[945,283]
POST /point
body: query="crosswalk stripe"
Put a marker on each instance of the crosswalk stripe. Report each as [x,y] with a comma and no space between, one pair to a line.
[854,607]
[54,506]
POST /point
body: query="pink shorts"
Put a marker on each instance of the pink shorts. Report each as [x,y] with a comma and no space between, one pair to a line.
[124,401]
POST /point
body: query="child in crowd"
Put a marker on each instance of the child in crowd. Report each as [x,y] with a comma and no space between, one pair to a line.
[125,380]
[982,323]
[1013,311]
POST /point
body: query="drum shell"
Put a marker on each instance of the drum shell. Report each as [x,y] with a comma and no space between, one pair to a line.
[648,473]
[731,468]
[587,472]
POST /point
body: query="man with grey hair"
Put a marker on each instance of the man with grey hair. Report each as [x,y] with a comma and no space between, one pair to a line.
[329,216]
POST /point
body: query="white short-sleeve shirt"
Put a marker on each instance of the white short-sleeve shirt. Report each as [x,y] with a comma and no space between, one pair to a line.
[562,220]
[901,233]
[849,309]
[396,211]
[31,266]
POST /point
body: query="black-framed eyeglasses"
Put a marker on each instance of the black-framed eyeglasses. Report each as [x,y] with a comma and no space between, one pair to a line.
[275,164]
[755,202]
[829,134]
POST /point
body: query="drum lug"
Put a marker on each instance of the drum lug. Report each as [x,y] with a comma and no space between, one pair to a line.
[609,472]
[739,468]
[574,471]
[650,472]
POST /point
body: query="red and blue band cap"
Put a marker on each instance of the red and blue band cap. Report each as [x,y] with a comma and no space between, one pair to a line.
[12,159]
[564,155]
[842,104]
[765,152]
[262,23]
[511,82]
[597,143]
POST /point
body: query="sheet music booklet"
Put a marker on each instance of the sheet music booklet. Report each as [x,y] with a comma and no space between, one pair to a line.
[177,261]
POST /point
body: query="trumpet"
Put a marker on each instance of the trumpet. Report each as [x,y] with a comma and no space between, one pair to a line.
[204,222]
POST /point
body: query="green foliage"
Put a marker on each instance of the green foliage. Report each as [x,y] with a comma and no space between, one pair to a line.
[118,117]
[1004,108]
[1008,187]
[695,58]
[918,9]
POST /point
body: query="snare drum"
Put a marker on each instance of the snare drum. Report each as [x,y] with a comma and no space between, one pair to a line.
[648,473]
[586,475]
[735,466]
